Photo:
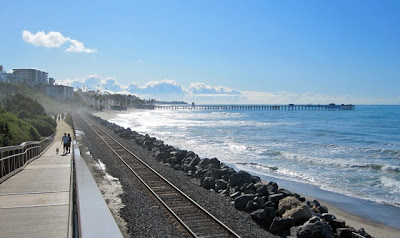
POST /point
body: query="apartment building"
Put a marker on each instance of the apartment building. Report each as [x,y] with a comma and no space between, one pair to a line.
[31,77]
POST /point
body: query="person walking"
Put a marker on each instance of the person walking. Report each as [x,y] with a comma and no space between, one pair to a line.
[64,141]
[69,143]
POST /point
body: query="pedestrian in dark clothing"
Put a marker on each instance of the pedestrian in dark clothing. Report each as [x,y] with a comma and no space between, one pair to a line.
[69,143]
[64,141]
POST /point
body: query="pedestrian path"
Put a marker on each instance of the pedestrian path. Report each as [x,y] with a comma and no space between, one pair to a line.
[36,201]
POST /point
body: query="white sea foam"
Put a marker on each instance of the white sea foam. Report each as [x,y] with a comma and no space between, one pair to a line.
[392,184]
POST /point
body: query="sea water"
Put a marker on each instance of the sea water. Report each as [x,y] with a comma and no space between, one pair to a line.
[347,155]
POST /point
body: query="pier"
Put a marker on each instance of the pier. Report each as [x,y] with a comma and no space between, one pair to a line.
[290,107]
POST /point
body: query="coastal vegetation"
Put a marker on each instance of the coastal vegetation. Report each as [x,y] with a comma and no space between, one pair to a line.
[23,119]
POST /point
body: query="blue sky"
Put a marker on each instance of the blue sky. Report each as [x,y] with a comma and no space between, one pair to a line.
[212,51]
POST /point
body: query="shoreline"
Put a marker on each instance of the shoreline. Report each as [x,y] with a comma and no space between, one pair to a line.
[374,228]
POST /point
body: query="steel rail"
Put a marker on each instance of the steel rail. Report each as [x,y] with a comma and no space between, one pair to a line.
[229,232]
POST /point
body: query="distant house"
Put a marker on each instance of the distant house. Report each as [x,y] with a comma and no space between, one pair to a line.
[59,92]
[3,77]
[51,81]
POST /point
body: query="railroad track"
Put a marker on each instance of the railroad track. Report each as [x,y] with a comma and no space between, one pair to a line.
[194,219]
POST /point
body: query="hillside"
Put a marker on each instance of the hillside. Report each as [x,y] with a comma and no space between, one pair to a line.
[52,107]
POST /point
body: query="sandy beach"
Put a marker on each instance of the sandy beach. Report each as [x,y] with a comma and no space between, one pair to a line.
[373,228]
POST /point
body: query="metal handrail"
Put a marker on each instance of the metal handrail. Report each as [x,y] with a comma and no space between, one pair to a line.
[14,158]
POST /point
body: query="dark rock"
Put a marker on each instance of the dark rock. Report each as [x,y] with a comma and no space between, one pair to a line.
[177,167]
[281,224]
[285,192]
[328,217]
[195,161]
[215,161]
[274,198]
[225,177]
[204,162]
[259,215]
[216,173]
[251,187]
[315,230]
[269,204]
[235,194]
[250,206]
[323,209]
[224,192]
[344,232]
[220,184]
[272,187]
[255,179]
[241,201]
[313,203]
[208,183]
[263,190]
[259,202]
[363,233]
[271,212]
[314,219]
[249,192]
[336,223]
[239,178]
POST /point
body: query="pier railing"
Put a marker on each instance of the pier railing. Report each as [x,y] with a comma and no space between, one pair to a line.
[290,107]
[14,158]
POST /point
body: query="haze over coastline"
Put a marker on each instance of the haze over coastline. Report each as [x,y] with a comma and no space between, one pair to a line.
[212,52]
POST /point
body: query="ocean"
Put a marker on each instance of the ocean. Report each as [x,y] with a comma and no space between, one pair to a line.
[349,158]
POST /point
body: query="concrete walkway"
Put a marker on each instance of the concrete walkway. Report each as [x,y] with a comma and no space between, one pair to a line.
[35,201]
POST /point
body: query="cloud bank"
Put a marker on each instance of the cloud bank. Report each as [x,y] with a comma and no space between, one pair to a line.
[201,93]
[54,39]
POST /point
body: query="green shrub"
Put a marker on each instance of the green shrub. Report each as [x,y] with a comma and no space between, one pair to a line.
[14,131]
[42,126]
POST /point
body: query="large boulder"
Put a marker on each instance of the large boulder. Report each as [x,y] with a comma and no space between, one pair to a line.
[315,230]
[272,187]
[215,161]
[299,214]
[274,198]
[195,161]
[288,203]
[241,201]
[220,184]
[240,178]
[281,224]
[259,215]
[336,223]
[262,190]
[208,183]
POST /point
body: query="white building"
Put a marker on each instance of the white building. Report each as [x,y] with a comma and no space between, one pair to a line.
[59,92]
[31,77]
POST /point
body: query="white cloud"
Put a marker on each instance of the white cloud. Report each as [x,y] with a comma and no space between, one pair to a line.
[200,93]
[202,88]
[54,39]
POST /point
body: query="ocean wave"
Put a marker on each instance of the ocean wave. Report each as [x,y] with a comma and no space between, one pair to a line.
[384,152]
[261,166]
[339,162]
[392,184]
